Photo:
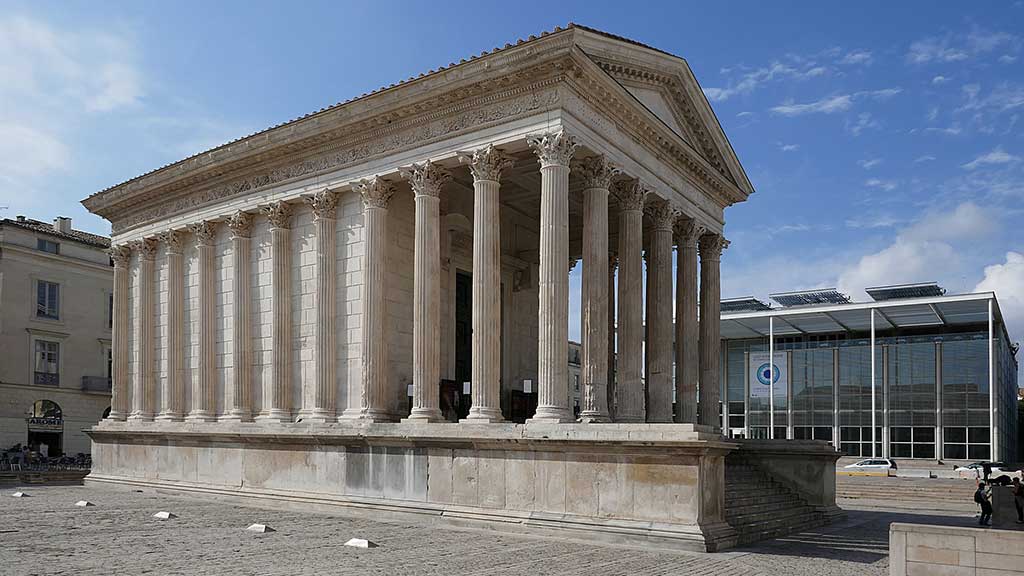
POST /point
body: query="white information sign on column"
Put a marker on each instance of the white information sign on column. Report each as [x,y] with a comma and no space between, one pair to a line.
[762,378]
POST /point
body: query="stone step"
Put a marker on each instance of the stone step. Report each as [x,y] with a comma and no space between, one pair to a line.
[759,498]
[744,516]
[765,533]
[779,525]
[761,506]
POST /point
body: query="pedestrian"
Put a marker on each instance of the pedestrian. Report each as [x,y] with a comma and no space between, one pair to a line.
[983,496]
[1018,499]
[986,467]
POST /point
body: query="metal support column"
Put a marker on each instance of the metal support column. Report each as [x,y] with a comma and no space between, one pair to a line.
[874,407]
[771,377]
[993,406]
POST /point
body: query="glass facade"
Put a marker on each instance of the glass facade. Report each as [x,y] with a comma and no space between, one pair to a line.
[931,393]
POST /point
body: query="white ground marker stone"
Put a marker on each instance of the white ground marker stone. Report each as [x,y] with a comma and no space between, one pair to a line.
[360,543]
[164,515]
[19,495]
[84,503]
[261,528]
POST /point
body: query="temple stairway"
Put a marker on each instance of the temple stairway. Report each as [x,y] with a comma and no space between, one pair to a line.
[759,507]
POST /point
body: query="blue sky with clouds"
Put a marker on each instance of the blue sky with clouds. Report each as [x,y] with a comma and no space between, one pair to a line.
[885,140]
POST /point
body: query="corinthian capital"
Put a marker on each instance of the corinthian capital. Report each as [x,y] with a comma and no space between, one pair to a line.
[597,172]
[121,254]
[630,193]
[553,148]
[426,179]
[240,224]
[687,231]
[175,241]
[146,248]
[486,163]
[205,232]
[711,246]
[279,213]
[663,214]
[324,204]
[376,192]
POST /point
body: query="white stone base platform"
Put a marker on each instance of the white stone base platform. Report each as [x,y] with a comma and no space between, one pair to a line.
[651,484]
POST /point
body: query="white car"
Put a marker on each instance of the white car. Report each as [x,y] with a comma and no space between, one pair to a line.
[874,464]
[999,473]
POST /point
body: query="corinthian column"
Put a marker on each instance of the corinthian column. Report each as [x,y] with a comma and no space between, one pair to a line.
[374,397]
[203,403]
[597,177]
[279,406]
[240,408]
[687,358]
[629,392]
[173,399]
[119,392]
[659,318]
[613,263]
[426,180]
[554,150]
[486,165]
[325,208]
[144,395]
[711,246]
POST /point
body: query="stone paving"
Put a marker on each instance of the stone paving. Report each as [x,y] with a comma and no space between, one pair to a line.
[46,534]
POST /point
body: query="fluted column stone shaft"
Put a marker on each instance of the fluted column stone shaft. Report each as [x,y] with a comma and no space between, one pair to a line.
[659,317]
[687,332]
[204,387]
[629,392]
[613,264]
[120,393]
[711,246]
[173,393]
[555,151]
[325,208]
[278,405]
[374,398]
[426,181]
[144,395]
[486,165]
[240,407]
[597,175]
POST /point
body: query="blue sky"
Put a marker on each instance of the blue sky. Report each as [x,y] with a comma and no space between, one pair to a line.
[885,140]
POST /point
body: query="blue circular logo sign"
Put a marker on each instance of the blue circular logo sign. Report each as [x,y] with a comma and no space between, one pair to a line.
[767,375]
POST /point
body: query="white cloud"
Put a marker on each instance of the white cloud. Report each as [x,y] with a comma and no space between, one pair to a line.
[857,57]
[940,80]
[864,121]
[868,164]
[27,152]
[922,251]
[797,69]
[1007,281]
[995,157]
[875,221]
[952,130]
[959,47]
[788,147]
[744,114]
[829,105]
[887,185]
[925,158]
[1007,59]
[883,94]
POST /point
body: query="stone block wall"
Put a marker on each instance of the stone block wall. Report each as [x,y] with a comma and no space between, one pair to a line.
[954,551]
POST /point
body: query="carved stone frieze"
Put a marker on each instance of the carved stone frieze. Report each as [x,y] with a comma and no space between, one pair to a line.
[553,148]
[426,179]
[486,163]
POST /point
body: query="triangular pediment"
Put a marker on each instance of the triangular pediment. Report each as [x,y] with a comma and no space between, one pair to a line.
[665,85]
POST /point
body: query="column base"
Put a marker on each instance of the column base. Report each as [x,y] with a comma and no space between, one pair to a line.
[201,416]
[629,419]
[424,415]
[367,415]
[121,416]
[275,415]
[481,415]
[594,418]
[170,417]
[237,416]
[317,416]
[140,417]
[551,415]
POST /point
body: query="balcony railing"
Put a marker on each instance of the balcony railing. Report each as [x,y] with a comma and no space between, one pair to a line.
[95,384]
[47,379]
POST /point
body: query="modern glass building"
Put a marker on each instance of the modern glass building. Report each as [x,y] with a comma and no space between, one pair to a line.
[934,376]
